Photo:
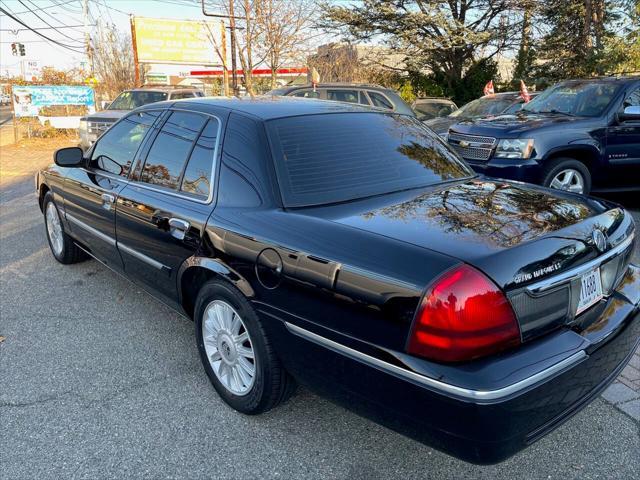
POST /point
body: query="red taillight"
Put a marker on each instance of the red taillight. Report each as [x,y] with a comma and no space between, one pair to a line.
[463,315]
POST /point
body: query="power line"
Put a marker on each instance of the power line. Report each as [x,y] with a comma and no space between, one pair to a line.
[17,20]
[44,21]
[50,16]
[38,28]
[47,7]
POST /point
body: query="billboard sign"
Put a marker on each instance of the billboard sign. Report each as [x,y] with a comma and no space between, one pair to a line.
[186,42]
[54,100]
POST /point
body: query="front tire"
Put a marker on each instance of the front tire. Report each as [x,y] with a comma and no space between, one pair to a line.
[61,244]
[236,353]
[567,174]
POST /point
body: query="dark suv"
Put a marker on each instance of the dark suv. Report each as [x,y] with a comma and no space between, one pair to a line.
[364,94]
[94,125]
[579,135]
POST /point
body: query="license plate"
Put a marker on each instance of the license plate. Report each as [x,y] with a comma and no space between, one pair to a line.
[591,290]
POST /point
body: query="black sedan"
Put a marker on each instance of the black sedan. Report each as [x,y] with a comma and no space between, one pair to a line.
[350,250]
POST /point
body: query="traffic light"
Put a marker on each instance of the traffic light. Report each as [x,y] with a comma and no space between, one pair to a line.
[21,48]
[14,49]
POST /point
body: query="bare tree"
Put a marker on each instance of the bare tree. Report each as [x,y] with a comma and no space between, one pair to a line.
[285,28]
[113,61]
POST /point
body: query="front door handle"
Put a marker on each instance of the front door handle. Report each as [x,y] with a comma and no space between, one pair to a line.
[107,200]
[178,228]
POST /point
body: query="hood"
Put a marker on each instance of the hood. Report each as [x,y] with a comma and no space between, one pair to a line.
[106,116]
[514,124]
[504,228]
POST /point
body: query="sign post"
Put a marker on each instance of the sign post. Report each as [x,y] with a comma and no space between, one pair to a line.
[136,66]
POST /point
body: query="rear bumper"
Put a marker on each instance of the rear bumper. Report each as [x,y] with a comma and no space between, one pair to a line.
[497,407]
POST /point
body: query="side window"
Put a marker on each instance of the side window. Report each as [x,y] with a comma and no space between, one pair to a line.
[115,150]
[199,172]
[380,100]
[306,94]
[350,96]
[633,99]
[363,99]
[179,95]
[171,148]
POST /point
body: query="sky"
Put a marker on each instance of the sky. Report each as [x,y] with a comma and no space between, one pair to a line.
[59,13]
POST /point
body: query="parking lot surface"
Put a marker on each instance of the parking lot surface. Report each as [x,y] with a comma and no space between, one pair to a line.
[99,380]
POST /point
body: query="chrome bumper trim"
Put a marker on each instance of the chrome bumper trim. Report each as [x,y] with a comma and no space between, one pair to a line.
[551,282]
[476,396]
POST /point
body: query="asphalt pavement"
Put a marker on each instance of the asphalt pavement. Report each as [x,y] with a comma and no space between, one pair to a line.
[5,114]
[99,380]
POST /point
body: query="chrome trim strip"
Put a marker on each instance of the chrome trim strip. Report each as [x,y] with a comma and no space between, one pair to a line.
[102,236]
[477,396]
[141,256]
[563,277]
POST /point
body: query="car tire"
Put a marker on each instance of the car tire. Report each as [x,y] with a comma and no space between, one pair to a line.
[228,334]
[62,247]
[567,174]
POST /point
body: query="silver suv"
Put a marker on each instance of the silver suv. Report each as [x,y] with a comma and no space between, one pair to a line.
[94,125]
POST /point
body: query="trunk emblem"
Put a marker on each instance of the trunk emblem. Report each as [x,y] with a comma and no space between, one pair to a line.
[599,240]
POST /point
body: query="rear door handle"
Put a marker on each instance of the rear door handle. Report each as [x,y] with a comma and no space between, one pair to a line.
[178,228]
[107,200]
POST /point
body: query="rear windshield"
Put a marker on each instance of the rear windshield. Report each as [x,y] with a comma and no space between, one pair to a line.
[332,158]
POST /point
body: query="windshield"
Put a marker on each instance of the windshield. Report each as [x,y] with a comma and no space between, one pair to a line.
[585,99]
[337,157]
[433,109]
[484,106]
[134,99]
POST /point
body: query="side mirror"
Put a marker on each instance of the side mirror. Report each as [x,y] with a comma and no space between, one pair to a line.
[69,157]
[630,113]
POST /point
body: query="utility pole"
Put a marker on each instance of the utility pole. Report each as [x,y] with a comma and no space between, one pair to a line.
[232,29]
[87,36]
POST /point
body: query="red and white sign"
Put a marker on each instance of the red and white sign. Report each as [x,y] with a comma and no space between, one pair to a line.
[524,93]
[488,89]
[256,72]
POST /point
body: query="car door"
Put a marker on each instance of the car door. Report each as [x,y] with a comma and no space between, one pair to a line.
[91,192]
[623,142]
[162,212]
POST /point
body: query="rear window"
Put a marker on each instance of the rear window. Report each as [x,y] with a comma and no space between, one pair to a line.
[331,158]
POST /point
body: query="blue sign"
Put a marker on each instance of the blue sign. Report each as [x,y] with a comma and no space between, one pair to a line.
[28,100]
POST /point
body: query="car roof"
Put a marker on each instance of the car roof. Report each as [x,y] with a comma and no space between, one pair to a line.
[368,86]
[269,107]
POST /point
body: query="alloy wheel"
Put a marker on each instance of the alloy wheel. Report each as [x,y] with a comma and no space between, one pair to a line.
[228,347]
[54,229]
[568,179]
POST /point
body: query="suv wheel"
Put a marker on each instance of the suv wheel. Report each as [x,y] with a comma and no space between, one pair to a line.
[61,245]
[567,174]
[236,353]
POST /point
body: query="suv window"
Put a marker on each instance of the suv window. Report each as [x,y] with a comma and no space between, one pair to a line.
[171,148]
[632,100]
[199,172]
[306,94]
[179,95]
[136,98]
[349,96]
[380,100]
[115,150]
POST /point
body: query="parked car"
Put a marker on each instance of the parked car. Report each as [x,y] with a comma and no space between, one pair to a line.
[364,94]
[94,125]
[579,135]
[349,249]
[428,108]
[487,106]
[5,99]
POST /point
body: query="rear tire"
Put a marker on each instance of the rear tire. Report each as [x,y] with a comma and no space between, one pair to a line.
[567,174]
[235,351]
[61,244]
